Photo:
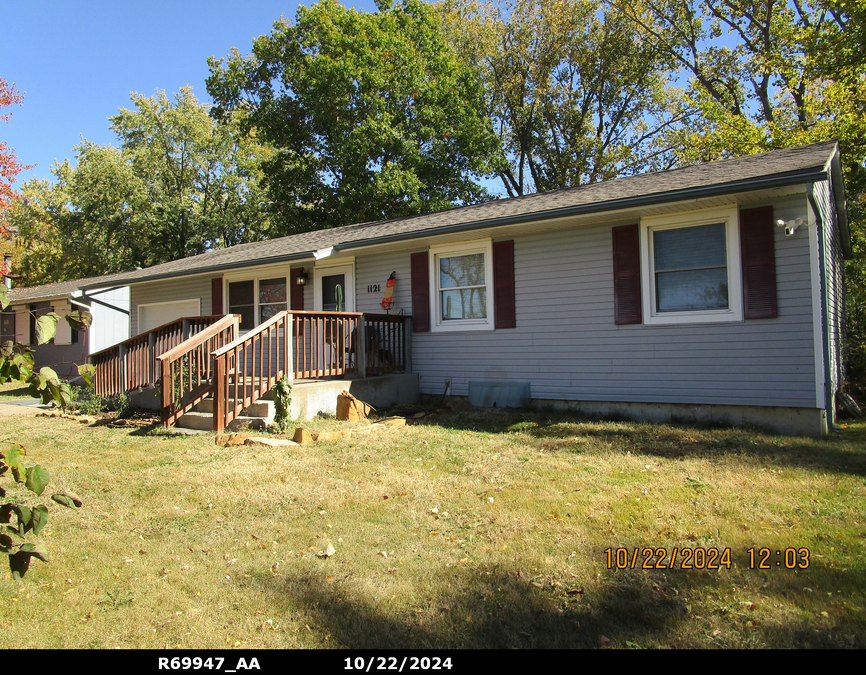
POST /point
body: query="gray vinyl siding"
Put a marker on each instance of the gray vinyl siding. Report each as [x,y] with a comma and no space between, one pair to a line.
[568,347]
[834,290]
[169,290]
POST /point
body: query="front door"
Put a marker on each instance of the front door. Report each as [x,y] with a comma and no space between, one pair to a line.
[334,284]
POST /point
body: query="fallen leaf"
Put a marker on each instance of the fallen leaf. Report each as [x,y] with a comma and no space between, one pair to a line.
[328,552]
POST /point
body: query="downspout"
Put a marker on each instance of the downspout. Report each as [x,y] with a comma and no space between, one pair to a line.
[829,395]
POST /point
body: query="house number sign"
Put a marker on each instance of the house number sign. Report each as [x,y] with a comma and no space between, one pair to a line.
[374,288]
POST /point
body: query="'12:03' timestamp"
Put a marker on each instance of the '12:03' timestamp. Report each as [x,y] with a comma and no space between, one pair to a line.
[657,558]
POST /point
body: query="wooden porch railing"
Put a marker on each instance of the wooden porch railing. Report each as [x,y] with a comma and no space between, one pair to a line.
[187,370]
[247,368]
[386,339]
[131,364]
[325,343]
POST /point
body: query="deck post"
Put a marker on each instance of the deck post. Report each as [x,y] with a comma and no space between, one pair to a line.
[166,385]
[151,358]
[360,347]
[220,392]
[288,352]
[407,344]
[121,368]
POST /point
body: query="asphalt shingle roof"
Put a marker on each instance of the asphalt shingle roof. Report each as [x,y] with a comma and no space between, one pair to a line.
[743,173]
[58,289]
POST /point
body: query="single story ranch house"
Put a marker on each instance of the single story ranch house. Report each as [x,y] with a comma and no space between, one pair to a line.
[707,293]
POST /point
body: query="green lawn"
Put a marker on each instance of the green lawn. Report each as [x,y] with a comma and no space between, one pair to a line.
[474,530]
[13,390]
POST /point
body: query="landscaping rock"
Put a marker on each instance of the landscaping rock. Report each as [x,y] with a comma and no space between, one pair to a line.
[269,442]
[346,408]
[352,409]
[302,436]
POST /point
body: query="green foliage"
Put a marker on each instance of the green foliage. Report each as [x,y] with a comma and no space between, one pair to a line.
[179,184]
[86,402]
[372,115]
[30,517]
[282,404]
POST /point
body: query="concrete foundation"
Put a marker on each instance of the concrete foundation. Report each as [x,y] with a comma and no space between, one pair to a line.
[311,398]
[148,399]
[786,421]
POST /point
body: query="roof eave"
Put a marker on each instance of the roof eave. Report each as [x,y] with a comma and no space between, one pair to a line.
[837,181]
[290,257]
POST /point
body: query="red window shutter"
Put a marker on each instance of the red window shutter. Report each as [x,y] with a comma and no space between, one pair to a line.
[420,293]
[626,274]
[504,314]
[216,295]
[297,292]
[759,263]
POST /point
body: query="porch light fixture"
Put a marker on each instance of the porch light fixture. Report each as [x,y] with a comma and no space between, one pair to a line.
[302,277]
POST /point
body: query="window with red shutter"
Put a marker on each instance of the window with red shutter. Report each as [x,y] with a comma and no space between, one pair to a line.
[420,292]
[759,263]
[503,285]
[626,275]
[216,295]
[690,269]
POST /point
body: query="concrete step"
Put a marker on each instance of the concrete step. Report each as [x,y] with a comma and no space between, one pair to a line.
[257,416]
[196,420]
[260,408]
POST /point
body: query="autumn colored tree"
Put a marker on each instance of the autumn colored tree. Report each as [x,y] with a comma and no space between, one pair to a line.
[767,74]
[10,167]
[575,96]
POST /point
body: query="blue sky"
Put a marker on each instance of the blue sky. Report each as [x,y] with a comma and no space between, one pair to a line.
[77,62]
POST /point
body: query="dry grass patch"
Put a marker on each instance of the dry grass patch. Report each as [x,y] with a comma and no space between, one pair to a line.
[481,530]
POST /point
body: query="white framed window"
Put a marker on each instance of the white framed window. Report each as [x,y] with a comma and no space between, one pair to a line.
[257,299]
[461,287]
[690,267]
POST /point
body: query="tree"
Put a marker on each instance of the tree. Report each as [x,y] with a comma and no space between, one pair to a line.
[179,184]
[10,167]
[199,176]
[574,96]
[766,74]
[371,115]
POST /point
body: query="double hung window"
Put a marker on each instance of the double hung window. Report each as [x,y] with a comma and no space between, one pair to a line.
[691,268]
[462,293]
[256,300]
